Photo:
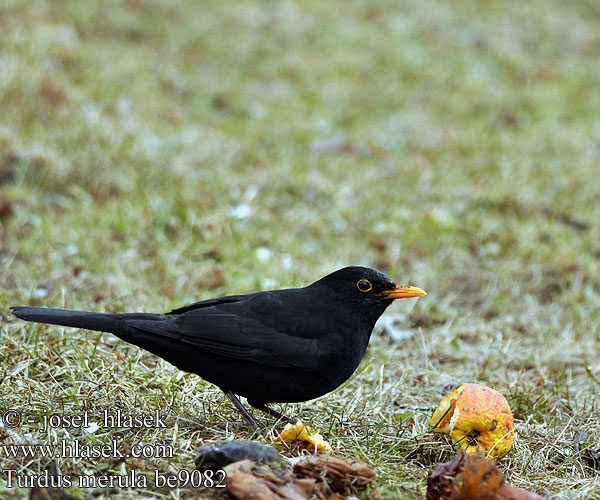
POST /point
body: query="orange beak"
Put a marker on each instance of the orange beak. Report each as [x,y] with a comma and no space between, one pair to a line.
[403,292]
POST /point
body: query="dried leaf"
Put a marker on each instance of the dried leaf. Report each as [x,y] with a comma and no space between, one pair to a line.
[341,474]
[247,480]
[472,477]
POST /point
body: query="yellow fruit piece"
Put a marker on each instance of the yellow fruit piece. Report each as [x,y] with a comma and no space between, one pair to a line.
[299,432]
[477,418]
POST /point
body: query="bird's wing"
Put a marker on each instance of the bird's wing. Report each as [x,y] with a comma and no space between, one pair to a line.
[207,303]
[239,336]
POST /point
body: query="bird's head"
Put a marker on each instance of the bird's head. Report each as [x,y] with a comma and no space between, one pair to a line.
[365,288]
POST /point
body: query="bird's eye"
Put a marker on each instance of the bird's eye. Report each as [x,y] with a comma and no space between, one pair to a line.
[364,285]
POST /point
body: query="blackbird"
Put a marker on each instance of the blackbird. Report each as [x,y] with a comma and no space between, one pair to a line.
[275,346]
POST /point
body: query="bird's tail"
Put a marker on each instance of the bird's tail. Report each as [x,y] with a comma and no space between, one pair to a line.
[102,322]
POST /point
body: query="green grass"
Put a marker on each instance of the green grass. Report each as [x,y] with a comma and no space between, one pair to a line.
[149,150]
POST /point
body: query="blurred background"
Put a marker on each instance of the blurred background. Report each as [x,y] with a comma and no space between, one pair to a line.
[228,145]
[154,153]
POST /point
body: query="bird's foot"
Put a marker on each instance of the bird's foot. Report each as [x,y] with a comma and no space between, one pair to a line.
[259,406]
[274,413]
[240,407]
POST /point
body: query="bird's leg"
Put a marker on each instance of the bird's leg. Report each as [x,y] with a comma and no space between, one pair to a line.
[240,407]
[270,411]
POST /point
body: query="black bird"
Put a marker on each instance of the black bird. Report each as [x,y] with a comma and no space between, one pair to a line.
[275,346]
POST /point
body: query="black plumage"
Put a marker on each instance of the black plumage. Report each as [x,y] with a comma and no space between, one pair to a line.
[274,346]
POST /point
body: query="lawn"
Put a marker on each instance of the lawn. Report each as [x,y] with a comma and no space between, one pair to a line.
[156,153]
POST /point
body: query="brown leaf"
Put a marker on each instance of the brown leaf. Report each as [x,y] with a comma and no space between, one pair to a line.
[321,478]
[51,92]
[440,482]
[247,480]
[340,474]
[6,209]
[480,479]
[472,478]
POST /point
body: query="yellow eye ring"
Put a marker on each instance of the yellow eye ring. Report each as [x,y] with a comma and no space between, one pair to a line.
[364,285]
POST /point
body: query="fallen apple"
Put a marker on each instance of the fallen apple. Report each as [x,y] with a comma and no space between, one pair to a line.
[477,418]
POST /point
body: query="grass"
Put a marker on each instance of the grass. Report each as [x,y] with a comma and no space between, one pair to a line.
[154,154]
